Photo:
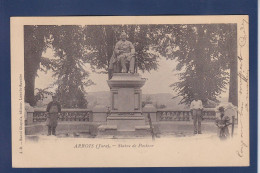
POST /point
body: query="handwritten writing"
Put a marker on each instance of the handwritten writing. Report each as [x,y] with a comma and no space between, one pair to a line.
[243,79]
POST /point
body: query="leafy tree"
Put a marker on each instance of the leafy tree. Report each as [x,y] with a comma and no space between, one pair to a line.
[34,45]
[205,53]
[68,44]
[72,77]
[41,94]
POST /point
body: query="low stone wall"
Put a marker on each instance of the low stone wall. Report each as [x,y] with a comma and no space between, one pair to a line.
[39,115]
[85,120]
[209,114]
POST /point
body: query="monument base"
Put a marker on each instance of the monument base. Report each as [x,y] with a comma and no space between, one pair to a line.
[126,122]
[106,131]
[126,106]
[129,125]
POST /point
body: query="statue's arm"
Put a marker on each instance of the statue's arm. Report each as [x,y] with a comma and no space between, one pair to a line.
[132,48]
[117,48]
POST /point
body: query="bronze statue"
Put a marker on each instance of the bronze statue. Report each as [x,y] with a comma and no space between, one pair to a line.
[122,60]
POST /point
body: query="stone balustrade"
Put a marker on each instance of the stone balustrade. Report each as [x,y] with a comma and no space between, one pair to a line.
[173,115]
[39,115]
[86,120]
[97,115]
[208,114]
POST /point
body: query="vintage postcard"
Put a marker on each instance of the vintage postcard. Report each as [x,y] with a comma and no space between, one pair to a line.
[130,91]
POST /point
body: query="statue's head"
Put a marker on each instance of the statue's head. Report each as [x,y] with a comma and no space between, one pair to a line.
[196,96]
[54,98]
[123,35]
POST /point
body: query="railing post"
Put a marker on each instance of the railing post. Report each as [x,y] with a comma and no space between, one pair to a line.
[30,117]
[28,113]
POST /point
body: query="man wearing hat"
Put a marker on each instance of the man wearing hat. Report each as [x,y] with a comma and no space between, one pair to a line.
[125,51]
[196,110]
[53,110]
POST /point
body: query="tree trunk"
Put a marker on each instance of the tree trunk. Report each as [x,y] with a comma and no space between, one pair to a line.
[233,95]
[29,87]
[30,71]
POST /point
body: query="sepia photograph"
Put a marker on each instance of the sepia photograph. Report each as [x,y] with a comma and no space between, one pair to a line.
[146,91]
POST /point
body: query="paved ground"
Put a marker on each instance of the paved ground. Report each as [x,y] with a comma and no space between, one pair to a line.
[162,130]
[87,135]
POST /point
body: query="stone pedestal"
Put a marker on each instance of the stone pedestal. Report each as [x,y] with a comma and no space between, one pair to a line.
[126,95]
[126,104]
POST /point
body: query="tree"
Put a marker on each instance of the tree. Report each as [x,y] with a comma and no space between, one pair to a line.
[68,44]
[72,77]
[34,45]
[205,53]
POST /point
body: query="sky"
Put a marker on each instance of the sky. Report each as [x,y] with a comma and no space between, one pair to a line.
[158,81]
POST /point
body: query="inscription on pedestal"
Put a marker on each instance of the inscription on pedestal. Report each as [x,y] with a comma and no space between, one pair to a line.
[126,99]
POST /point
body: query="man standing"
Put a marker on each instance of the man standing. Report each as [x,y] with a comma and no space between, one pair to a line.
[196,110]
[53,110]
[124,51]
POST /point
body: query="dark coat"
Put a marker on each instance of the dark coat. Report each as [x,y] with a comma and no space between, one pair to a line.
[222,123]
[53,109]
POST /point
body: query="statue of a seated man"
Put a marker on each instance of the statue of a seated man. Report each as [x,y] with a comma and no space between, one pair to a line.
[123,54]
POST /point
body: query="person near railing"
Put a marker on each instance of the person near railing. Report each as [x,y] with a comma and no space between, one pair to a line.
[196,110]
[53,110]
[222,123]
